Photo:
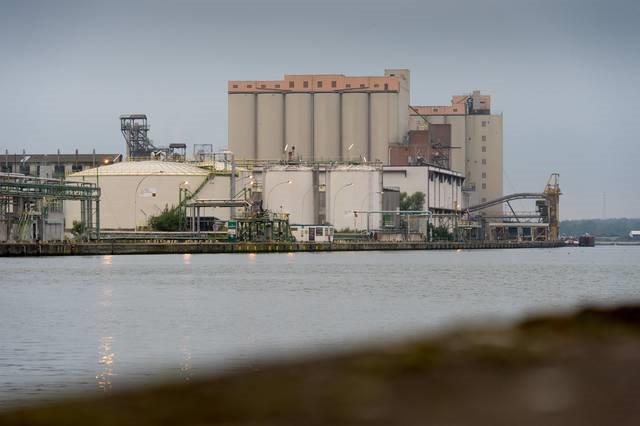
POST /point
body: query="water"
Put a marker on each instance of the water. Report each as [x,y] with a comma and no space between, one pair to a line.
[77,324]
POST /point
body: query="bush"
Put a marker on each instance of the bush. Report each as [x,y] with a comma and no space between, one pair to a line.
[169,220]
[78,228]
[413,202]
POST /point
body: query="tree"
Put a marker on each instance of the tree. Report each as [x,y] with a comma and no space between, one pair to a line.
[169,220]
[413,202]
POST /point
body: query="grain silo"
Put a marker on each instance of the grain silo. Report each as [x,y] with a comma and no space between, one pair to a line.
[326,117]
[381,112]
[270,126]
[299,124]
[326,126]
[355,126]
[242,125]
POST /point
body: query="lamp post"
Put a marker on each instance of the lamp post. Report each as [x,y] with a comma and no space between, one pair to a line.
[135,204]
[334,201]
[365,199]
[287,182]
[182,203]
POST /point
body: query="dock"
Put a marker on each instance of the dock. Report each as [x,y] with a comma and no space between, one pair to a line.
[183,247]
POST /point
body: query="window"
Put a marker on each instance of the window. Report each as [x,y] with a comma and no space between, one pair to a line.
[484,200]
[484,124]
[334,84]
[435,109]
[277,86]
[484,161]
[291,85]
[484,175]
[386,86]
[376,85]
[249,86]
[484,138]
[305,84]
[362,86]
[484,149]
[263,86]
[235,86]
[319,85]
[348,86]
[484,186]
[455,110]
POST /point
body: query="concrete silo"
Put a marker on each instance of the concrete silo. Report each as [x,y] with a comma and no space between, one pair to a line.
[242,125]
[326,126]
[270,127]
[384,122]
[299,124]
[355,126]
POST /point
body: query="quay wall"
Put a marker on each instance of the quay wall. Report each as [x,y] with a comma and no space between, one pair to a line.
[164,247]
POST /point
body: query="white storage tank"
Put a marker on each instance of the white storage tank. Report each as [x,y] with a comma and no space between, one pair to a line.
[289,189]
[326,126]
[352,188]
[242,125]
[298,124]
[270,127]
[355,126]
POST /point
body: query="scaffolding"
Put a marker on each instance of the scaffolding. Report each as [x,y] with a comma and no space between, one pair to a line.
[27,203]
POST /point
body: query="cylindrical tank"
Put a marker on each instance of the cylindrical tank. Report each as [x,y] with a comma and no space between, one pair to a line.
[326,127]
[352,188]
[355,126]
[242,125]
[298,124]
[382,110]
[270,126]
[295,198]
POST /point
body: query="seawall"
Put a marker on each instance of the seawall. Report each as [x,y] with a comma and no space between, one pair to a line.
[181,247]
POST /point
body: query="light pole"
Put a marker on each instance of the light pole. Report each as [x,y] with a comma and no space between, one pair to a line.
[135,204]
[365,199]
[334,201]
[287,182]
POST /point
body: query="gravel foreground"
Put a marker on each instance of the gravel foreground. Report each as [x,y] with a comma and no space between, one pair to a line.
[581,369]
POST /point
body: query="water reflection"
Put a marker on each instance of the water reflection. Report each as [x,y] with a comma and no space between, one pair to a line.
[107,260]
[185,364]
[186,258]
[105,359]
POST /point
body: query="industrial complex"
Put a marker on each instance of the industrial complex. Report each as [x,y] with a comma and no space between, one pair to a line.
[310,158]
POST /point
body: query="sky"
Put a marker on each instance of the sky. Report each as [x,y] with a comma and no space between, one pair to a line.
[564,73]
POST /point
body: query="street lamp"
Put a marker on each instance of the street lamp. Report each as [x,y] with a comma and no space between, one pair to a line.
[287,182]
[135,203]
[334,201]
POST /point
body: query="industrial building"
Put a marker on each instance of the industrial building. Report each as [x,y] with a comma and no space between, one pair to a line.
[442,187]
[367,119]
[475,141]
[132,192]
[53,166]
[319,117]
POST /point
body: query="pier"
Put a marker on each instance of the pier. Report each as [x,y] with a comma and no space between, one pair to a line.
[182,247]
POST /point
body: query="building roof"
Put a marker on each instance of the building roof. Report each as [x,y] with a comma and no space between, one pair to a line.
[59,158]
[145,168]
[317,83]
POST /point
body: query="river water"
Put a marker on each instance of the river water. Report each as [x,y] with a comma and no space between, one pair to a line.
[101,323]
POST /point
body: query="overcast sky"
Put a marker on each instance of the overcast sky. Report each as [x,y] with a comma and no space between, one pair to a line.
[565,74]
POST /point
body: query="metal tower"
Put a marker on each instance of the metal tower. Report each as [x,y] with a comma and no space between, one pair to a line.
[135,130]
